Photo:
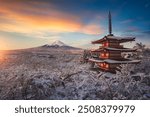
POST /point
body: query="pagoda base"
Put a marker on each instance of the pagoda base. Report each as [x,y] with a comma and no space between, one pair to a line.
[110,65]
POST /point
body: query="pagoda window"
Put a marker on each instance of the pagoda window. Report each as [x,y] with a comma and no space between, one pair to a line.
[106,65]
[105,44]
[107,54]
[104,55]
[101,64]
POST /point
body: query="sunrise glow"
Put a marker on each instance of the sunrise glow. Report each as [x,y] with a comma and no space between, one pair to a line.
[32,23]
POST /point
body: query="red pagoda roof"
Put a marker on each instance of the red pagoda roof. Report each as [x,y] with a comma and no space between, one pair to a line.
[114,38]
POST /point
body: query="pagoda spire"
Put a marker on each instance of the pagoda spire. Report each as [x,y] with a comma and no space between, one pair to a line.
[109,24]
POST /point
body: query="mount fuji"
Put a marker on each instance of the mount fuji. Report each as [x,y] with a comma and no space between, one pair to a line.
[59,45]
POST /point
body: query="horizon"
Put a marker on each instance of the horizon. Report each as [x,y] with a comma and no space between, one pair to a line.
[28,24]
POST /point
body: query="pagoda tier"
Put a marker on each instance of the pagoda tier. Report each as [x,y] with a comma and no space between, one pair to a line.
[114,49]
[114,61]
[111,53]
[112,38]
[111,65]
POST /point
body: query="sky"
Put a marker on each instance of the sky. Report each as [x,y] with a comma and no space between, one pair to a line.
[32,23]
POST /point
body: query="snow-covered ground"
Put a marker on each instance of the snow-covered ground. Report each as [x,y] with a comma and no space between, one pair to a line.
[53,74]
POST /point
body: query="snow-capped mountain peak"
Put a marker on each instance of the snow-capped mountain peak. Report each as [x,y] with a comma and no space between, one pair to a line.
[58,43]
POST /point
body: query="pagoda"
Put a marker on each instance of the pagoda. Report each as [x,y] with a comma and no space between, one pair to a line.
[109,53]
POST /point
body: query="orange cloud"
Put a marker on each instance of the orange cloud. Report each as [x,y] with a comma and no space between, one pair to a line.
[28,17]
[92,29]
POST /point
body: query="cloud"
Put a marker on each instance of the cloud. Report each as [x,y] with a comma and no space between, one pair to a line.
[92,29]
[32,16]
[31,23]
